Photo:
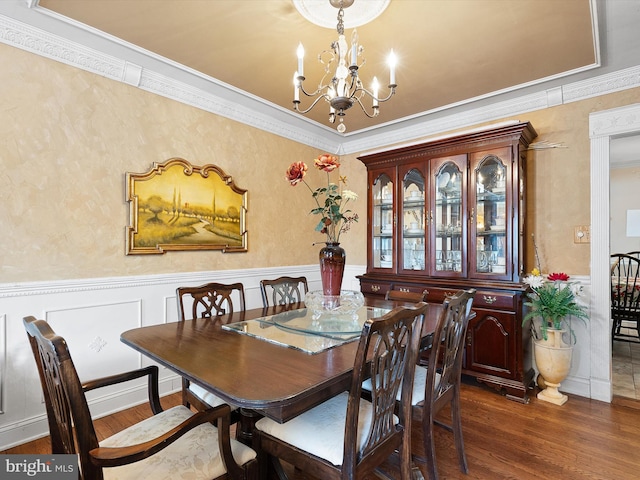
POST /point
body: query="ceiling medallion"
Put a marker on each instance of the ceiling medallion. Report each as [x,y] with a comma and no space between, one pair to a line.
[323,12]
[343,87]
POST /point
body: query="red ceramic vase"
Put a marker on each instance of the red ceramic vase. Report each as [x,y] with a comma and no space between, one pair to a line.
[332,258]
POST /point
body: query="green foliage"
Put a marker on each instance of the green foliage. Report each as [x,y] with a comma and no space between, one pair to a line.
[333,221]
[554,302]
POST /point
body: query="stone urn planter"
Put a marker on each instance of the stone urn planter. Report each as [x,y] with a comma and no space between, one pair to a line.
[553,360]
[552,304]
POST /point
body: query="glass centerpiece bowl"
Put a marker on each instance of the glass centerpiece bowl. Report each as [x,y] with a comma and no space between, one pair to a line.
[347,303]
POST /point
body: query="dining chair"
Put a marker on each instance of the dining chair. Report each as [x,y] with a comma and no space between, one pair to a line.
[283,291]
[625,298]
[347,436]
[173,443]
[207,301]
[404,296]
[438,384]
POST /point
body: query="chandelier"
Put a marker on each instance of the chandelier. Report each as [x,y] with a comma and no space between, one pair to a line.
[343,87]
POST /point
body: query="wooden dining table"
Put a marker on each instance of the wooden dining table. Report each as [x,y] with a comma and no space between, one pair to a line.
[256,375]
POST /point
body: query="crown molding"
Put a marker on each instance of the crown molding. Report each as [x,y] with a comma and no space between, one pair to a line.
[170,80]
[190,89]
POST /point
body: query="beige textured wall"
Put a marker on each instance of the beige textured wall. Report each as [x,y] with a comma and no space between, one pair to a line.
[68,137]
[625,183]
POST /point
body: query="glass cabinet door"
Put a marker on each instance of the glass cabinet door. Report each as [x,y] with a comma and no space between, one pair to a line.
[448,222]
[491,220]
[413,218]
[382,222]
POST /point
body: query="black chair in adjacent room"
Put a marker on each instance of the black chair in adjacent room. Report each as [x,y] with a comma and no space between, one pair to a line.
[625,298]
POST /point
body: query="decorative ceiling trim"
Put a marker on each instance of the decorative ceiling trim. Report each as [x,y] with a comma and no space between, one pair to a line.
[227,101]
[259,115]
[573,92]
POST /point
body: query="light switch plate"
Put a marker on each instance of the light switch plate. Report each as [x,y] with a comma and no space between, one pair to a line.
[582,234]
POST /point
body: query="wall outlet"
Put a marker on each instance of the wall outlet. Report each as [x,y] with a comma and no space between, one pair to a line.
[581,234]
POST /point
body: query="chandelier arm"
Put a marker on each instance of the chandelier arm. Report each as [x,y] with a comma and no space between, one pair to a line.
[391,92]
[364,110]
[296,104]
[311,94]
[381,100]
[370,94]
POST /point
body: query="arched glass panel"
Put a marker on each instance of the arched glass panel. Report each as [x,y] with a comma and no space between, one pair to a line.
[448,218]
[382,223]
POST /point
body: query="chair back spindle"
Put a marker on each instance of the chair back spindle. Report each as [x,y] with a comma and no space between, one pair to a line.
[210,300]
[283,291]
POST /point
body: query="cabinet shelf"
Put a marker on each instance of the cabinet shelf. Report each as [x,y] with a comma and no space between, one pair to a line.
[413,203]
[491,197]
[451,202]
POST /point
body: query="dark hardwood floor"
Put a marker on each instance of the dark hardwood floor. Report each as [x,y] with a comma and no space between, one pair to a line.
[584,439]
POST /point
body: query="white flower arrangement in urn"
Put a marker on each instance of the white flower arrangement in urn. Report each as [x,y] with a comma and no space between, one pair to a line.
[553,299]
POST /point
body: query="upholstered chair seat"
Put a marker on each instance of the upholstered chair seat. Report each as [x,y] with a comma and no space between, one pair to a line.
[197,448]
[327,421]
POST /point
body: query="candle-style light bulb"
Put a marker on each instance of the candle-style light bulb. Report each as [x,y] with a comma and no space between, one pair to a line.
[392,68]
[300,53]
[354,48]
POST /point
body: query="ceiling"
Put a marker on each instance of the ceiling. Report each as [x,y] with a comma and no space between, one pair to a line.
[449,51]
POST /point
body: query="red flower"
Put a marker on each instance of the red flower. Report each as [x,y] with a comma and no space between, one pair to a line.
[296,173]
[558,276]
[331,200]
[327,163]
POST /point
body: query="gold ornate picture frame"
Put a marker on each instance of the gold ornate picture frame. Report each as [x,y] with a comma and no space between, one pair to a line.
[178,206]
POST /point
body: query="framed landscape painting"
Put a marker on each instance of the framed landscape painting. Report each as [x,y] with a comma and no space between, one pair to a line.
[178,206]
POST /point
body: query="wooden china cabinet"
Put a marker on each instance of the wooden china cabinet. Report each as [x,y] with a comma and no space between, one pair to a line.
[449,214]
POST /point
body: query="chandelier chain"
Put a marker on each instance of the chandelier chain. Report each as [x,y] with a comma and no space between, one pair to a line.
[340,27]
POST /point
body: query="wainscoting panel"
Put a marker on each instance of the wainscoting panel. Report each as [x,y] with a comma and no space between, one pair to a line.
[3,357]
[98,351]
[91,314]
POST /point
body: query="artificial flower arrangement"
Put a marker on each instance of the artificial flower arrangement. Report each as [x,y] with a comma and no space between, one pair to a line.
[554,300]
[331,200]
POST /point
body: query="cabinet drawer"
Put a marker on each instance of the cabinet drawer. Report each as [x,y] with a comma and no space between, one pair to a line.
[483,298]
[501,300]
[434,294]
[374,288]
[411,288]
